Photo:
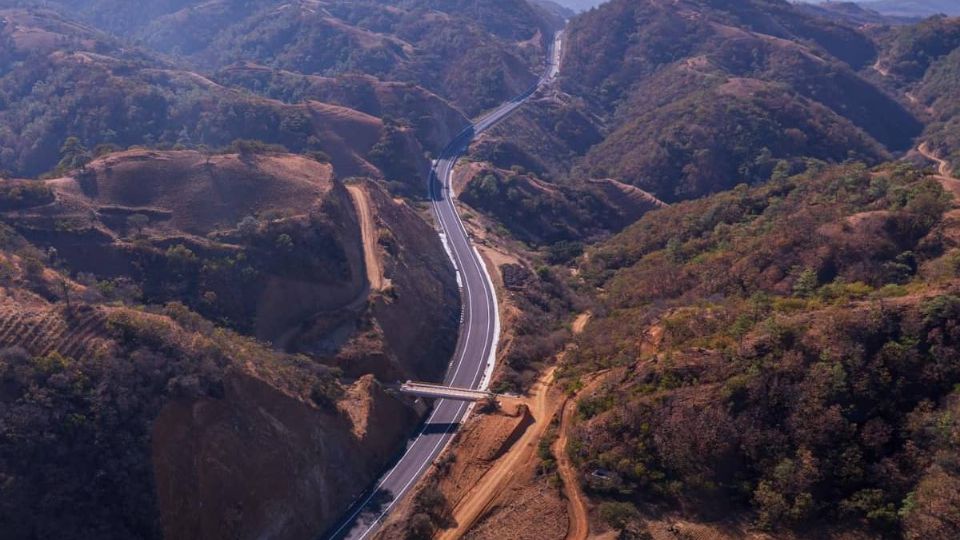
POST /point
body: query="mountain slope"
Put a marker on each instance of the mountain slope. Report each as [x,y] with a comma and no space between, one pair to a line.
[913,8]
[107,411]
[95,89]
[476,54]
[922,62]
[694,96]
[772,355]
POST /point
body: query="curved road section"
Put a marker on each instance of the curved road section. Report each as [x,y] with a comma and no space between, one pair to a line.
[479,330]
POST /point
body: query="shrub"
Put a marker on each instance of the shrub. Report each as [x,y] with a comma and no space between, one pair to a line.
[618,515]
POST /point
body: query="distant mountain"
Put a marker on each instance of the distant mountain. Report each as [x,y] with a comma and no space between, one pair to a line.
[580,5]
[922,62]
[914,8]
[697,96]
[853,13]
[474,53]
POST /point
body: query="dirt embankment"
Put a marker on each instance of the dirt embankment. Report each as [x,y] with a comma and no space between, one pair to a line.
[258,463]
[580,322]
[512,497]
[417,278]
[492,480]
[517,452]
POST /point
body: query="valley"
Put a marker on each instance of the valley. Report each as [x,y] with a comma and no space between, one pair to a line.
[704,254]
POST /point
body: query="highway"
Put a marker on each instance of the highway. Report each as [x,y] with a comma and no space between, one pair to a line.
[474,358]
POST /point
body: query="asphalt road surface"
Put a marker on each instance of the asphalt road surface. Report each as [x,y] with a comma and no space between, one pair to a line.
[479,331]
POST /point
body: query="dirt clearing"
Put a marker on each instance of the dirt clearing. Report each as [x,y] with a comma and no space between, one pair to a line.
[580,323]
[481,497]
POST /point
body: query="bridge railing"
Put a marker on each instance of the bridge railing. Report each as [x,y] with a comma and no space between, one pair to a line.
[438,391]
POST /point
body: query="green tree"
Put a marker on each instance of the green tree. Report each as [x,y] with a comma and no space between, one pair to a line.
[284,242]
[73,155]
[806,283]
[248,227]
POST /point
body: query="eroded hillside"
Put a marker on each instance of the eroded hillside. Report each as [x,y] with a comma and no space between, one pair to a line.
[253,242]
[119,422]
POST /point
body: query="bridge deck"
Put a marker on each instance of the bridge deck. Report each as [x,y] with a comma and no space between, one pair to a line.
[444,392]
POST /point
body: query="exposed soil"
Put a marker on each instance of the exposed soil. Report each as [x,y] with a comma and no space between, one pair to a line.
[540,407]
[942,166]
[945,176]
[368,227]
[581,322]
[579,528]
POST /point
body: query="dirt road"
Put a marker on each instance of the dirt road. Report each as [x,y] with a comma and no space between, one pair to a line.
[368,229]
[579,528]
[946,179]
[880,69]
[475,503]
[943,168]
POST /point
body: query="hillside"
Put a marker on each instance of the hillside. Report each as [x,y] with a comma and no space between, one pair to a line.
[913,8]
[495,55]
[541,214]
[855,13]
[687,98]
[774,356]
[922,62]
[434,121]
[727,276]
[166,259]
[267,244]
[119,98]
[110,415]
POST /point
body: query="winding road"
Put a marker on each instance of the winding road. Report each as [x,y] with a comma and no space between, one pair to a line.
[476,350]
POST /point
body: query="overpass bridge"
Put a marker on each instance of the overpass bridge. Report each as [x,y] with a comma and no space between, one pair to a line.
[437,391]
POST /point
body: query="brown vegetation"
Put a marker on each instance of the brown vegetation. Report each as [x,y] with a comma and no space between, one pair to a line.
[806,338]
[111,417]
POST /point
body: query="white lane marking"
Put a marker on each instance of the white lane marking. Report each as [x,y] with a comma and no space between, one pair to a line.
[413,479]
[479,127]
[436,409]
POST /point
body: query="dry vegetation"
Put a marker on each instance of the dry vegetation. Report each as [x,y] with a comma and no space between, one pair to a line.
[780,354]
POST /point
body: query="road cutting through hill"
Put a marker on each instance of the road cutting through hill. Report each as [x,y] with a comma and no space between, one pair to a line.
[475,354]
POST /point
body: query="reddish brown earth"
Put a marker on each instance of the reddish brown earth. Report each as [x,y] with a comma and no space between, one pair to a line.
[259,463]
